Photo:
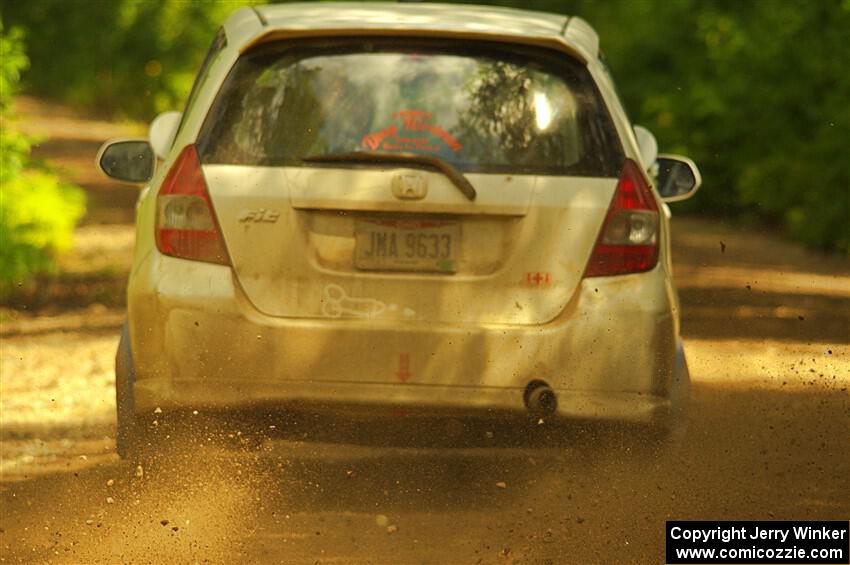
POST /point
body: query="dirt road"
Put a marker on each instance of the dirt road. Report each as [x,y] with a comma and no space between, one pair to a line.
[767,329]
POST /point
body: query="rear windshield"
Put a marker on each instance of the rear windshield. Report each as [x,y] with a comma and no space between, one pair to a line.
[483,109]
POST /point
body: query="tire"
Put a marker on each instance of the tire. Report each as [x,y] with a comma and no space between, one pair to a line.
[127,437]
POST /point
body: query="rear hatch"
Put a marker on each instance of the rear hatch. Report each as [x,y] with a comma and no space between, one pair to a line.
[333,169]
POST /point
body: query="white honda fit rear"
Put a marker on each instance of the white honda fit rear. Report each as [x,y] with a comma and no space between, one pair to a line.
[416,207]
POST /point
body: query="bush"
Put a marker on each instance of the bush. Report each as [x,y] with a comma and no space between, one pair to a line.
[37,212]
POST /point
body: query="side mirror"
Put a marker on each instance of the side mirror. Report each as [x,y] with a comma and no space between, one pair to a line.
[647,145]
[678,178]
[127,160]
[162,131]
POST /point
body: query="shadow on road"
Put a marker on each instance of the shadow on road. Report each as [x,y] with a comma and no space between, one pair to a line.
[734,313]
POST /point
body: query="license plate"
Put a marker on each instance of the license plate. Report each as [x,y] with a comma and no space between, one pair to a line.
[407,245]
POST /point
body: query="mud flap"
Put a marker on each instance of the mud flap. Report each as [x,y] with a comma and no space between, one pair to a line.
[125,375]
[680,393]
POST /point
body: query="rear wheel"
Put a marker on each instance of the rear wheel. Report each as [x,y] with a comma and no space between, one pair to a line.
[668,428]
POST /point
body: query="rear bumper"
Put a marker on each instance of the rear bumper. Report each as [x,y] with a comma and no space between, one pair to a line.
[197,342]
[239,394]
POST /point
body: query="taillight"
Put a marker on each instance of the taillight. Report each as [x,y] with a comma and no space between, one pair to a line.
[628,242]
[186,225]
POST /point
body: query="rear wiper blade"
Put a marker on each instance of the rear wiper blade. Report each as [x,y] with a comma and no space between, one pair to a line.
[440,165]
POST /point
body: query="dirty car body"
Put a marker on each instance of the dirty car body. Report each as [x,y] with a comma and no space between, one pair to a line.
[402,206]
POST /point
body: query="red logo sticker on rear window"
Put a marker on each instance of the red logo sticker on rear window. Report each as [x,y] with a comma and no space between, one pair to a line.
[401,136]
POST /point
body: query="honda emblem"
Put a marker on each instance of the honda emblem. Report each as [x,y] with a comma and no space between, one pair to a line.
[410,186]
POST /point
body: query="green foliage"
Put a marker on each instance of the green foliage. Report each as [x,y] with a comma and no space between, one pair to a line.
[128,57]
[755,92]
[37,212]
[12,61]
[761,101]
[37,219]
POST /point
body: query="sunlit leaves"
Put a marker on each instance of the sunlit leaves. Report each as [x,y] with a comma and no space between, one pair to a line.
[37,212]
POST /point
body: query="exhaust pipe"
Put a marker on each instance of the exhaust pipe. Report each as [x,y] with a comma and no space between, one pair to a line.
[540,399]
